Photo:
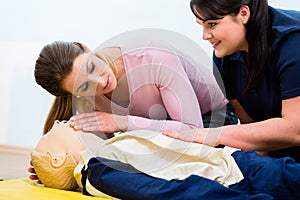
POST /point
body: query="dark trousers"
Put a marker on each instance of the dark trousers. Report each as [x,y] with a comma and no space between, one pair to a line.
[265,178]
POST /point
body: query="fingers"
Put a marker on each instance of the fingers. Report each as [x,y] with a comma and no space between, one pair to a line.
[31,170]
[33,175]
[88,126]
[203,136]
[98,127]
[180,135]
[171,133]
[187,135]
[83,120]
[98,121]
[91,128]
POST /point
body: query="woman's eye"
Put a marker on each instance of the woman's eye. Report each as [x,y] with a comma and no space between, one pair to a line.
[84,87]
[92,67]
[212,24]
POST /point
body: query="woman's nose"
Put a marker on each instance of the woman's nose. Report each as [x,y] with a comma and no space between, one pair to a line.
[206,35]
[97,80]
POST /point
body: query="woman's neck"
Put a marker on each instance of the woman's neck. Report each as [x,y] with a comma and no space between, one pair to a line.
[115,54]
[121,94]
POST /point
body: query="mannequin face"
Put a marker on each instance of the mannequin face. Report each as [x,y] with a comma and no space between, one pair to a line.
[58,152]
[61,140]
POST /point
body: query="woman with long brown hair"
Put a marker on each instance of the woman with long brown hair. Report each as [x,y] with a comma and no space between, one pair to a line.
[117,89]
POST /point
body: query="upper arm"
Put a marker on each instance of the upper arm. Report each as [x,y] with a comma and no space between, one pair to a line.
[160,79]
[287,65]
[178,95]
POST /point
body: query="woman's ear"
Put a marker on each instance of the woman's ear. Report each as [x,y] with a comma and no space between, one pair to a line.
[244,14]
[57,159]
[83,46]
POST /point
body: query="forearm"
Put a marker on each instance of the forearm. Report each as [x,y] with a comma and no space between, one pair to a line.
[272,134]
[135,122]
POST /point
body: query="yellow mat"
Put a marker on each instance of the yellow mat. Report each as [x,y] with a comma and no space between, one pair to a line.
[23,188]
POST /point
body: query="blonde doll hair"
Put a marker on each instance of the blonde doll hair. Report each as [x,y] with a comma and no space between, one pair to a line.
[59,177]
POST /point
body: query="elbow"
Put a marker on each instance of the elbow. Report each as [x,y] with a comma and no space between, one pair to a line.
[291,131]
[296,140]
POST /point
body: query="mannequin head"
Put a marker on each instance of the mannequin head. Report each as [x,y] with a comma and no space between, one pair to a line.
[56,156]
[52,175]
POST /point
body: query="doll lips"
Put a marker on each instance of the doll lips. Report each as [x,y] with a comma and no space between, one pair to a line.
[107,84]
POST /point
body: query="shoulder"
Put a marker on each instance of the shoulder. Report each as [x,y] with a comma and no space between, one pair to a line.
[160,54]
[285,52]
[283,22]
[286,30]
[159,57]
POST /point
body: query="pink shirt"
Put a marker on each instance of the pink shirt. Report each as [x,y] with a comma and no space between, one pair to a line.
[166,92]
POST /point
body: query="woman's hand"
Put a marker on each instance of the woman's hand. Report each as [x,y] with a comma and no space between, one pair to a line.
[208,136]
[99,121]
[33,175]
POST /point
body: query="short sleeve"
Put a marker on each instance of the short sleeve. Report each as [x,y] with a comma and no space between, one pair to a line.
[287,65]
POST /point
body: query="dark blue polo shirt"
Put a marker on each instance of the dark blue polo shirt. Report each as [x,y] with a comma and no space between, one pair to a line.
[282,78]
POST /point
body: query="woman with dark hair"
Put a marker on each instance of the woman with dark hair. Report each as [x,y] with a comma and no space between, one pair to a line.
[255,53]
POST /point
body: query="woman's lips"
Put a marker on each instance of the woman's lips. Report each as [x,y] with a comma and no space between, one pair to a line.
[216,44]
[107,84]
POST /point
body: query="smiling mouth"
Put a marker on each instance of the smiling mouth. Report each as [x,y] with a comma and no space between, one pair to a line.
[107,84]
[216,44]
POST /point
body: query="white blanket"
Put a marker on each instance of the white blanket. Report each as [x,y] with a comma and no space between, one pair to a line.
[161,156]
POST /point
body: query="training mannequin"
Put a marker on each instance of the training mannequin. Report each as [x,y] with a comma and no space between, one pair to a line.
[63,147]
[61,158]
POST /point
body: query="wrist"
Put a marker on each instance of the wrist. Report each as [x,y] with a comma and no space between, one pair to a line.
[213,136]
[123,123]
